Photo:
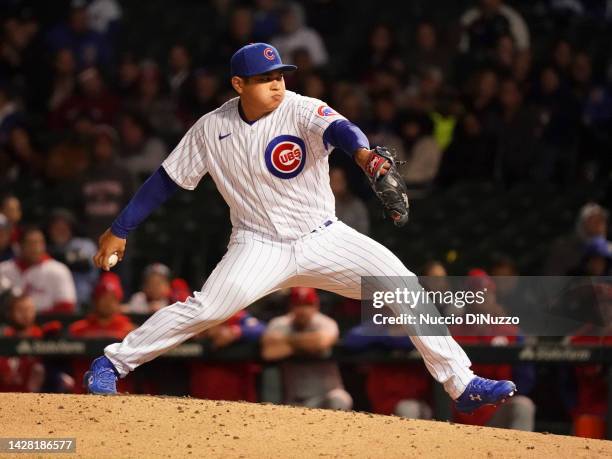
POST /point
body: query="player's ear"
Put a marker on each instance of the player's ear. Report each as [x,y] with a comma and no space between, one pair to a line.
[238,84]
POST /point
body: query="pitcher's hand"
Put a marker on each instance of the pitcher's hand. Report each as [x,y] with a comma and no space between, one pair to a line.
[107,245]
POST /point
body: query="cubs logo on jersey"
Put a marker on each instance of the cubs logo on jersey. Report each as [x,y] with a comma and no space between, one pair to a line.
[285,156]
[324,110]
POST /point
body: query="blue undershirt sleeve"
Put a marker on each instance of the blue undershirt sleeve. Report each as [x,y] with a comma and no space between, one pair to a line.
[345,135]
[152,194]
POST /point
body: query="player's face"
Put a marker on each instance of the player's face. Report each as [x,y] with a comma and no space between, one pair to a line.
[260,93]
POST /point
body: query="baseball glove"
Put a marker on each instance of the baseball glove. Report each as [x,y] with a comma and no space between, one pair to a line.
[390,187]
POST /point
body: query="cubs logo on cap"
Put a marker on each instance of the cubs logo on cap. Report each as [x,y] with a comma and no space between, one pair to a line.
[269,54]
[285,156]
[256,59]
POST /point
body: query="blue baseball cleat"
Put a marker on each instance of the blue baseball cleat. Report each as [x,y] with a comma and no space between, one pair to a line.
[481,391]
[101,379]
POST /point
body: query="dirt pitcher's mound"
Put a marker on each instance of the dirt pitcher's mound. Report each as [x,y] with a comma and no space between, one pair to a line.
[144,426]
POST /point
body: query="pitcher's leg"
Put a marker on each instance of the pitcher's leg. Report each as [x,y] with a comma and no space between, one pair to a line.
[341,256]
[247,272]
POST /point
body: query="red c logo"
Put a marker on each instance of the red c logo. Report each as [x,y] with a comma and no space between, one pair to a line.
[269,54]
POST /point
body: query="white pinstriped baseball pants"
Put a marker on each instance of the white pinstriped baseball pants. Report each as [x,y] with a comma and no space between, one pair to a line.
[332,258]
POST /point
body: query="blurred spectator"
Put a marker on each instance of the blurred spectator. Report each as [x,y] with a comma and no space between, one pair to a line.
[296,34]
[103,16]
[426,91]
[179,69]
[596,259]
[68,159]
[21,374]
[151,104]
[128,76]
[104,321]
[383,51]
[562,57]
[591,399]
[349,209]
[305,331]
[10,207]
[423,155]
[558,114]
[313,85]
[6,246]
[588,397]
[427,51]
[75,252]
[402,389]
[35,273]
[483,95]
[239,33]
[516,135]
[266,19]
[434,278]
[508,288]
[9,114]
[469,157]
[106,186]
[228,381]
[156,291]
[89,46]
[483,25]
[517,412]
[27,164]
[582,75]
[201,96]
[63,83]
[141,153]
[504,56]
[20,51]
[566,251]
[93,100]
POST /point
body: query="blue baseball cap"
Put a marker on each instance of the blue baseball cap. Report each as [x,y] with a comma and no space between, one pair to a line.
[257,58]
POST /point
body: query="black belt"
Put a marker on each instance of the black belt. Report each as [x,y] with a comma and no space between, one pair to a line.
[327,223]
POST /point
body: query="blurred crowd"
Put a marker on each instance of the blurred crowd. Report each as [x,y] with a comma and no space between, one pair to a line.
[501,92]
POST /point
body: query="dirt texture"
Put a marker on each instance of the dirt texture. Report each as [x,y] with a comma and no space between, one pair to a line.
[153,427]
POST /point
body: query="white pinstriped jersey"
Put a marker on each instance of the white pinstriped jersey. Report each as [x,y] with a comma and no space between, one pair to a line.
[273,174]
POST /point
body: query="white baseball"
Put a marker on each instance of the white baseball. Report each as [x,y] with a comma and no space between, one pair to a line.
[112,260]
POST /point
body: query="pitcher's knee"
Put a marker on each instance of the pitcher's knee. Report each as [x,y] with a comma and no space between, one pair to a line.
[202,309]
[339,399]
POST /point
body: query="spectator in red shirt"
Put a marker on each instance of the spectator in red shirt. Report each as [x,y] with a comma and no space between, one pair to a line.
[228,381]
[35,273]
[21,374]
[105,321]
[591,398]
[93,101]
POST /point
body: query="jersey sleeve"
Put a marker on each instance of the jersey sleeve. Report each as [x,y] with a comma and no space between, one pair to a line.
[314,117]
[187,164]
